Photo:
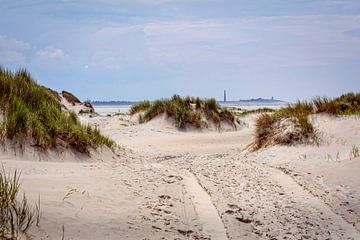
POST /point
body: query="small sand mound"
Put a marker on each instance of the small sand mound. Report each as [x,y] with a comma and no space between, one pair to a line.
[272,130]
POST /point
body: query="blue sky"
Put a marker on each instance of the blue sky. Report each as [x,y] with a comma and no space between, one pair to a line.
[148,49]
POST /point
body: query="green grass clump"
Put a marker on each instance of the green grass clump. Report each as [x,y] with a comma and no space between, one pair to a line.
[346,104]
[16,217]
[268,127]
[32,112]
[258,110]
[71,98]
[139,107]
[54,93]
[185,111]
[266,124]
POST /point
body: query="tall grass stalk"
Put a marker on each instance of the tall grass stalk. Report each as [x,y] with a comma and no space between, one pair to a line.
[16,215]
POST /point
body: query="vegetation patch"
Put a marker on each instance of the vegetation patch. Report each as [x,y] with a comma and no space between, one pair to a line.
[346,104]
[16,215]
[258,110]
[291,125]
[185,111]
[32,113]
[140,107]
[71,98]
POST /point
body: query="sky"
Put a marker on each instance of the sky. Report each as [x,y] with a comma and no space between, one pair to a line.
[150,49]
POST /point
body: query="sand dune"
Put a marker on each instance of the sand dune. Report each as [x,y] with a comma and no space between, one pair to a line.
[170,184]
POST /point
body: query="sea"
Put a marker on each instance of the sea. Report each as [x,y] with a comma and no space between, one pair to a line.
[104,109]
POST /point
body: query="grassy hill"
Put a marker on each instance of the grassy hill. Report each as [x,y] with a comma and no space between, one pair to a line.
[31,113]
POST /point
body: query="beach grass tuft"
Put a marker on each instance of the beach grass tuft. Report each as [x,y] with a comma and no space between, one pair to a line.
[32,113]
[16,215]
[291,124]
[355,152]
[139,107]
[71,98]
[187,111]
[258,110]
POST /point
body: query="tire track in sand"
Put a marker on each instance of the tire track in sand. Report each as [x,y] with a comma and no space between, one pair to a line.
[206,211]
[291,187]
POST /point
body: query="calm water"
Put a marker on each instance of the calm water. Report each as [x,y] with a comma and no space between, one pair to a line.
[111,109]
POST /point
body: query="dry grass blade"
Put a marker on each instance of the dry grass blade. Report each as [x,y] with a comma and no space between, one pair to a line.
[16,216]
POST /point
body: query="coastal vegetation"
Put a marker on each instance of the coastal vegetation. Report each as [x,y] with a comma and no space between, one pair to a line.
[186,111]
[258,110]
[71,98]
[16,217]
[32,113]
[291,124]
[140,107]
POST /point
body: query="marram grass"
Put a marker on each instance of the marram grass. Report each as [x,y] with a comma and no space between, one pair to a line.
[346,104]
[32,112]
[16,215]
[185,111]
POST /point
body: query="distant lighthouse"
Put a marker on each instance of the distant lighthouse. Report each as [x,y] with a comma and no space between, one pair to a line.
[224,95]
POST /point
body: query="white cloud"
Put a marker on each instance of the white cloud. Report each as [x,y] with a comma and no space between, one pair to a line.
[12,51]
[279,41]
[12,44]
[50,52]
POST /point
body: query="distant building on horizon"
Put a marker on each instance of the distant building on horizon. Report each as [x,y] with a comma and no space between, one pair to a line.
[225,95]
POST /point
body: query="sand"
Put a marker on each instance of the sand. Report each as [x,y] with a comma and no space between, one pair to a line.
[170,184]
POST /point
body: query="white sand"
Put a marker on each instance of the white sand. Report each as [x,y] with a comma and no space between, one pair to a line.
[199,185]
